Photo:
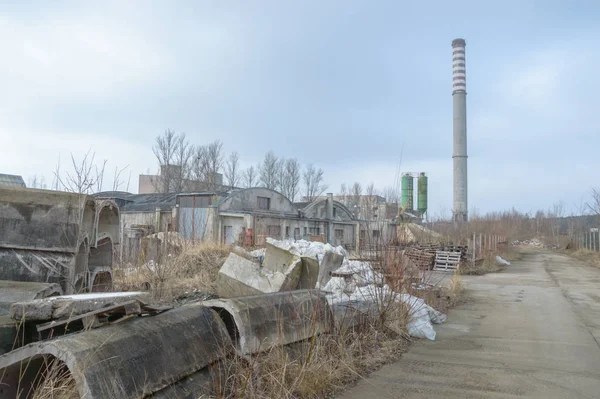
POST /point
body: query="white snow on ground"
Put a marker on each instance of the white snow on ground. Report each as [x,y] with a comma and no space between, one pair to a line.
[363,283]
[502,261]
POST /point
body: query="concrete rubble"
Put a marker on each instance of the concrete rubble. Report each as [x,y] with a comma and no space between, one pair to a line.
[346,283]
[60,307]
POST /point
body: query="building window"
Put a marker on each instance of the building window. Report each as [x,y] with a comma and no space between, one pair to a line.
[314,231]
[339,234]
[334,211]
[305,232]
[264,203]
[287,231]
[274,231]
[297,233]
[375,234]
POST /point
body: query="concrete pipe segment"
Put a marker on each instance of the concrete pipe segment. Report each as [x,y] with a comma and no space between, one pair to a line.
[129,360]
[260,322]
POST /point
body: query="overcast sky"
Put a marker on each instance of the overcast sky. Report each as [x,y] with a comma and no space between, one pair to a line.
[347,85]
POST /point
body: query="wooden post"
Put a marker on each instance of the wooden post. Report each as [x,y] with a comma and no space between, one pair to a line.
[473,243]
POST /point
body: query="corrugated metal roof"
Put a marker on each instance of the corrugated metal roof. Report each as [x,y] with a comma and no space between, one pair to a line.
[11,181]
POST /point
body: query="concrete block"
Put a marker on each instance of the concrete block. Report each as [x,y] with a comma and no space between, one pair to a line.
[129,360]
[60,307]
[331,261]
[309,274]
[264,321]
[277,259]
[241,277]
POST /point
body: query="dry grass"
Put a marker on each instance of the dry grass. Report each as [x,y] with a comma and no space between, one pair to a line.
[488,263]
[55,382]
[317,368]
[194,269]
[587,256]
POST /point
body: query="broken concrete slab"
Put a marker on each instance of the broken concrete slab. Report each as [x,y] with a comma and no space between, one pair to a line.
[60,307]
[18,291]
[260,322]
[309,274]
[331,261]
[242,277]
[277,259]
[130,360]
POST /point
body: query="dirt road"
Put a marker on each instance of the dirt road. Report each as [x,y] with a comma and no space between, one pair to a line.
[532,331]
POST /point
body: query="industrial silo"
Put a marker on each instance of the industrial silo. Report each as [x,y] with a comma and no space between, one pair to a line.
[422,194]
[407,192]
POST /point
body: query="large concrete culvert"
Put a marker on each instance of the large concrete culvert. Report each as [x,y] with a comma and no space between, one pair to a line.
[130,360]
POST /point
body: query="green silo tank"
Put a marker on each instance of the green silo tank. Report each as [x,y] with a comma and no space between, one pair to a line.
[407,192]
[422,194]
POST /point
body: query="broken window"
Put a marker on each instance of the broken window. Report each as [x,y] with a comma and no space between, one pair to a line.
[264,203]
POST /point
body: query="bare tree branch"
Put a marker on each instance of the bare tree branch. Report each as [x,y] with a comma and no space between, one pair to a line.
[232,169]
[313,182]
[269,177]
[250,177]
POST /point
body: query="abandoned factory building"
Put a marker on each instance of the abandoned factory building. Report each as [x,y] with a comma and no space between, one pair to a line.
[240,216]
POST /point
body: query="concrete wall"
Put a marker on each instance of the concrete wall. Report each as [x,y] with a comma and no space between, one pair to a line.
[42,220]
[50,236]
[348,232]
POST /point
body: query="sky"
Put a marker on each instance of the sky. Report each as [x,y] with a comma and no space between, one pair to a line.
[360,89]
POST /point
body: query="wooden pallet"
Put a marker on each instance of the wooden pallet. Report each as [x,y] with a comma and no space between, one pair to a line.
[446,260]
[423,260]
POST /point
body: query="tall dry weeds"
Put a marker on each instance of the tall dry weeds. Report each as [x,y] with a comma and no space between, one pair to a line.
[195,268]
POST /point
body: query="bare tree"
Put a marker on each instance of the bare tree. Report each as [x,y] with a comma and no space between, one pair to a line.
[164,149]
[208,163]
[117,182]
[344,193]
[391,195]
[269,171]
[84,177]
[313,182]
[182,159]
[214,154]
[250,176]
[37,182]
[370,202]
[355,196]
[292,178]
[594,205]
[232,169]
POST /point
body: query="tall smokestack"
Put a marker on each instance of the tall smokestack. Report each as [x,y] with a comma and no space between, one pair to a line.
[459,100]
